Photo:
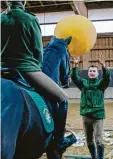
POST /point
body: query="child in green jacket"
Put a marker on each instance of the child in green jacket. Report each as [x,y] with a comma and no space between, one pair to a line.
[92,104]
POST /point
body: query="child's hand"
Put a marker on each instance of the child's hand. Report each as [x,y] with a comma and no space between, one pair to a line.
[101,59]
[74,61]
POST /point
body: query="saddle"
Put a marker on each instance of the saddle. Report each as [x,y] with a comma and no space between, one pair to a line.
[41,104]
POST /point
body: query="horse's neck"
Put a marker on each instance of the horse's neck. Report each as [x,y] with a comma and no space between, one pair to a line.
[52,68]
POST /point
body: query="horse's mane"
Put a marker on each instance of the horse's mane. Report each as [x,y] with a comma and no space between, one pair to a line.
[57,44]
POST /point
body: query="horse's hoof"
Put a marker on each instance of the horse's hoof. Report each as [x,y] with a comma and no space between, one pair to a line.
[67,141]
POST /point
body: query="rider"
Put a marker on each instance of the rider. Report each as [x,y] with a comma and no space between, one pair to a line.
[21,48]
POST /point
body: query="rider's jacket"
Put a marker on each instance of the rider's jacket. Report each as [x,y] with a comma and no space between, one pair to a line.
[21,41]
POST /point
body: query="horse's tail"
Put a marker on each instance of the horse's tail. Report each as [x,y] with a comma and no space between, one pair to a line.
[12,108]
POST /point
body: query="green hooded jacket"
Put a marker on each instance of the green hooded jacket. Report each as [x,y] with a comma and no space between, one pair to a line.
[21,40]
[92,93]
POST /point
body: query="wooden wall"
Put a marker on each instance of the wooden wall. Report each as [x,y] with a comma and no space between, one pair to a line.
[104,45]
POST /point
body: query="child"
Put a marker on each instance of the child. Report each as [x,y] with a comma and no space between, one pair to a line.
[92,104]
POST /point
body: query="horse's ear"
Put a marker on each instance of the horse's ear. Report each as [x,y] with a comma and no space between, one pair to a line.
[68,40]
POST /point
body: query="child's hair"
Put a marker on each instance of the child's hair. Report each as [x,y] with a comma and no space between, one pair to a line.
[93,66]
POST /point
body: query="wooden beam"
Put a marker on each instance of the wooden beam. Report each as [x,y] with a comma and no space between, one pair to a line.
[99,5]
[54,2]
[86,58]
[63,6]
[79,7]
[41,3]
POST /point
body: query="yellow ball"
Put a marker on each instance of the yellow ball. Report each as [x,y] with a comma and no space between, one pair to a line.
[82,31]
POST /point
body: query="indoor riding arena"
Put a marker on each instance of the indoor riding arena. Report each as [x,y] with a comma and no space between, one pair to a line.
[100,14]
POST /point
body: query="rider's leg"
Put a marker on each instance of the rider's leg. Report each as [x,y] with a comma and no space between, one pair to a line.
[50,90]
[45,86]
[61,115]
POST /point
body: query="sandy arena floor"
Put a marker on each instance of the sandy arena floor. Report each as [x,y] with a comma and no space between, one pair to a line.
[74,123]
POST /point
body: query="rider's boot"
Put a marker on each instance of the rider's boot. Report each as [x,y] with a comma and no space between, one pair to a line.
[63,142]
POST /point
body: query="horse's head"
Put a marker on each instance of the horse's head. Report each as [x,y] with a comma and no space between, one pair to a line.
[56,60]
[65,65]
[59,42]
